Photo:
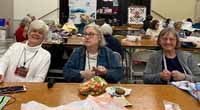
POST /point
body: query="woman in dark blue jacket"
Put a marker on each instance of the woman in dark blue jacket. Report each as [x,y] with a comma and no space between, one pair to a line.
[93,59]
[111,42]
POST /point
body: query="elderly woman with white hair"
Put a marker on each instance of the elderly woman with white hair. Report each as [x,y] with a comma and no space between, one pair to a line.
[93,59]
[111,42]
[27,62]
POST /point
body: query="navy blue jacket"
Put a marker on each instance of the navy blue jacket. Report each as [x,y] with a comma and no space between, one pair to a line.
[114,44]
[106,58]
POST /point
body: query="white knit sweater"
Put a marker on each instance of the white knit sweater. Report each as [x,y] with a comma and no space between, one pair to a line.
[14,57]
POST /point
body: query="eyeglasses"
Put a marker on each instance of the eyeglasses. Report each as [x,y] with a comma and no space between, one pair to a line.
[89,34]
[170,39]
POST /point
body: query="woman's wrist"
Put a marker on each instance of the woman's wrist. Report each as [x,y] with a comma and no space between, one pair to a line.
[1,78]
[82,74]
[184,76]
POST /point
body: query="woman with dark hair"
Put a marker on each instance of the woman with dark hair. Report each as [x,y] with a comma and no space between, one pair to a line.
[189,20]
[147,22]
[168,23]
[154,29]
[170,63]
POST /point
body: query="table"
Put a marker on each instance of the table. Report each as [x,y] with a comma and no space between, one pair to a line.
[149,44]
[74,41]
[71,42]
[144,44]
[143,97]
[128,27]
[124,28]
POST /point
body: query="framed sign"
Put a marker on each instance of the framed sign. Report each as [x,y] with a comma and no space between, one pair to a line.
[136,14]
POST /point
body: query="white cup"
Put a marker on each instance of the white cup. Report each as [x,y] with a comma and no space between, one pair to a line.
[131,38]
[138,38]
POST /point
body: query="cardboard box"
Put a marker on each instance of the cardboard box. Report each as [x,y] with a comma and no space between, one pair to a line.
[2,34]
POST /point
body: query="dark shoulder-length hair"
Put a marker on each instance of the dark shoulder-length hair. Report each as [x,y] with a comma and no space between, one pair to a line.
[166,31]
[153,24]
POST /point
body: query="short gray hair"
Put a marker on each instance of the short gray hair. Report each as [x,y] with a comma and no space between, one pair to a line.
[166,31]
[99,32]
[39,25]
[106,29]
[25,21]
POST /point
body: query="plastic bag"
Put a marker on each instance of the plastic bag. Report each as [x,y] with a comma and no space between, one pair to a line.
[192,88]
[103,102]
[94,86]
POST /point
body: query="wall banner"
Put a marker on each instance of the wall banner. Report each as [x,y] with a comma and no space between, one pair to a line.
[136,14]
[80,7]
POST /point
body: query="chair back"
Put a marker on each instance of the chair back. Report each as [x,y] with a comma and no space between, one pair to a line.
[119,58]
[142,55]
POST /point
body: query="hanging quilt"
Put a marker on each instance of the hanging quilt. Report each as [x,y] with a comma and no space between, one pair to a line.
[136,14]
[81,7]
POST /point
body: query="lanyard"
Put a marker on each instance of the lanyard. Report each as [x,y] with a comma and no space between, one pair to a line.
[88,60]
[165,63]
[88,57]
[31,58]
[20,57]
[165,66]
[25,61]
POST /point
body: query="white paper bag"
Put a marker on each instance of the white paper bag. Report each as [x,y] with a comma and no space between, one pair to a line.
[2,34]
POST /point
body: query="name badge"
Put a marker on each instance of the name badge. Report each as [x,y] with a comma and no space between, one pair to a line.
[21,71]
